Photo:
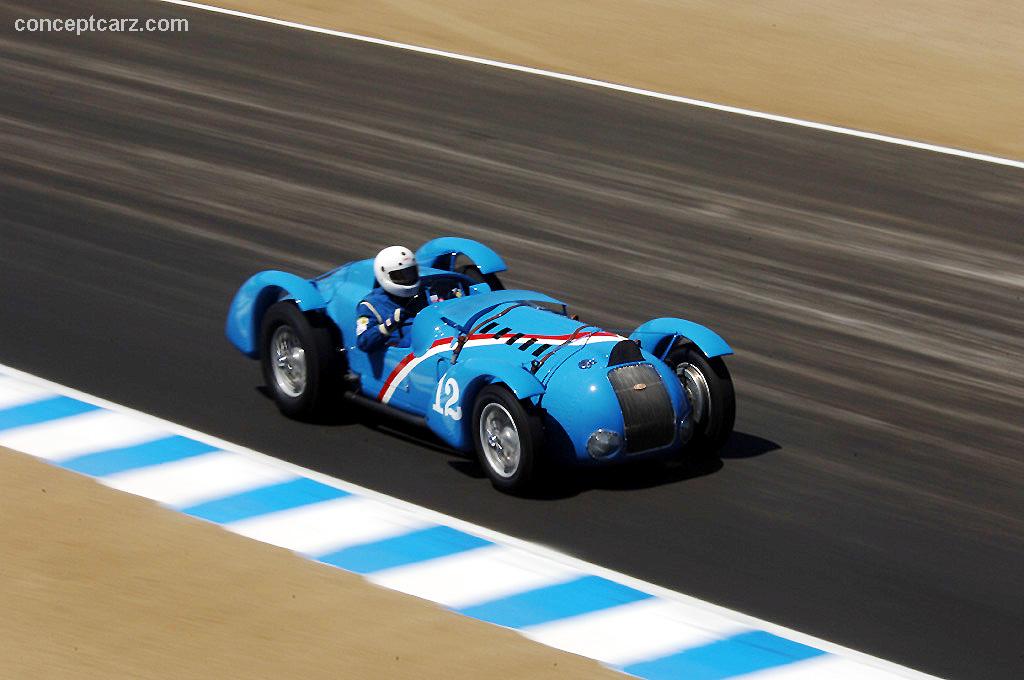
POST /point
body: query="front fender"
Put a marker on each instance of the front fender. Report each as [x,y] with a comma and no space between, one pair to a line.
[654,334]
[256,295]
[483,257]
[453,421]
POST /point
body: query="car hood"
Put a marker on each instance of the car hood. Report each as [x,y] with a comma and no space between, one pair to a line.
[514,326]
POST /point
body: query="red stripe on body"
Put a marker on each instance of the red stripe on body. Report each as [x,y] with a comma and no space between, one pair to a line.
[481,336]
[394,374]
[600,334]
[402,364]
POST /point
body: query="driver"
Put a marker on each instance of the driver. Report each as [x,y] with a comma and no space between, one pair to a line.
[381,317]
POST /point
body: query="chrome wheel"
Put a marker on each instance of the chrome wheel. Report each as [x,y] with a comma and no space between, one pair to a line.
[499,438]
[697,392]
[289,361]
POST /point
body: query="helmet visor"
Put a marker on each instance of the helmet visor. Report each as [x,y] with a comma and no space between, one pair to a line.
[405,277]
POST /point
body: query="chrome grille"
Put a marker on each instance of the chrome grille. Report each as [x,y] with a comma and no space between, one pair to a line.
[647,411]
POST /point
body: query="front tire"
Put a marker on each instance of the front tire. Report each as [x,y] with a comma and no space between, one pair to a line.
[508,440]
[296,355]
[708,388]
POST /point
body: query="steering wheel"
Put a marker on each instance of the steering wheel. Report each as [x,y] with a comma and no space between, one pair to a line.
[446,286]
[447,282]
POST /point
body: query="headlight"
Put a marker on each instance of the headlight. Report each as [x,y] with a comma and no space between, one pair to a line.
[603,443]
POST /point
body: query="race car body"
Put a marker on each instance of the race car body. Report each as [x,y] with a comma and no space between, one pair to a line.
[505,373]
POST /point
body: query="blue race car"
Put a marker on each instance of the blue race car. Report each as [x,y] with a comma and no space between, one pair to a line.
[508,374]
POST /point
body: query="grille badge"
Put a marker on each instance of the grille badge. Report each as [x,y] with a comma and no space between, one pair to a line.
[640,386]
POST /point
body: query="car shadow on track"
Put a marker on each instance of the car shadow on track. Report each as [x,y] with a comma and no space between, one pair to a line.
[569,482]
[744,445]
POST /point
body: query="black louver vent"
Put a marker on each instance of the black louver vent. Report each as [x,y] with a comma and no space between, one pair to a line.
[646,407]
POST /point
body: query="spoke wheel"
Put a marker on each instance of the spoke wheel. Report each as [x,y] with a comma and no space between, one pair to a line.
[709,390]
[300,365]
[697,391]
[289,361]
[500,436]
[508,438]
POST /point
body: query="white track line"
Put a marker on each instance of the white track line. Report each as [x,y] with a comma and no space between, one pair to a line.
[823,667]
[197,479]
[327,526]
[16,393]
[81,434]
[475,576]
[656,628]
[431,516]
[615,86]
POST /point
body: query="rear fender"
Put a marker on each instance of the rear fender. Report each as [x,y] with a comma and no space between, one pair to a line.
[488,261]
[256,295]
[450,414]
[656,335]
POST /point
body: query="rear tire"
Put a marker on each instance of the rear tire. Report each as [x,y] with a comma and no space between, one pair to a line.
[473,272]
[708,387]
[508,439]
[298,361]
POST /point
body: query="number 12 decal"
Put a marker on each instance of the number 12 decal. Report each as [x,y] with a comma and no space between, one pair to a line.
[448,388]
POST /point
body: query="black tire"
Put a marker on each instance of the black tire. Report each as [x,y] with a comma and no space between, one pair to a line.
[713,426]
[473,272]
[322,372]
[527,473]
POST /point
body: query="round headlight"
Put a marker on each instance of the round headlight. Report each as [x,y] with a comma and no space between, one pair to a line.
[603,443]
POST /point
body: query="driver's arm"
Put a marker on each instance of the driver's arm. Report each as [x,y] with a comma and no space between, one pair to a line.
[371,330]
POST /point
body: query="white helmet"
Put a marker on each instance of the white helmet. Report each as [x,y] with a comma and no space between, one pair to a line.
[396,271]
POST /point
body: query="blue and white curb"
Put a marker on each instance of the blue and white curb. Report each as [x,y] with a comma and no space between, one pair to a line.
[631,626]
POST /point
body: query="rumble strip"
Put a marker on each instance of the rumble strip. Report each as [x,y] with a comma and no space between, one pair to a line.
[557,600]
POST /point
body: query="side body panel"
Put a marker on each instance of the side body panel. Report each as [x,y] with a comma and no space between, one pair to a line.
[575,399]
[256,295]
[451,409]
[425,381]
[486,259]
[653,335]
[344,289]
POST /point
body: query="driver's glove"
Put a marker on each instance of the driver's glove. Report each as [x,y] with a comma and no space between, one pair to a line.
[395,320]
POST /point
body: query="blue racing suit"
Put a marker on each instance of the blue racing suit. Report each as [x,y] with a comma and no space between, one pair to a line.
[376,324]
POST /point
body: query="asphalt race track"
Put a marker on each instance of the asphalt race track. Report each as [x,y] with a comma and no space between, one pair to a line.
[874,492]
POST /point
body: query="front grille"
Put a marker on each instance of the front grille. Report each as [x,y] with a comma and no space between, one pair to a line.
[646,412]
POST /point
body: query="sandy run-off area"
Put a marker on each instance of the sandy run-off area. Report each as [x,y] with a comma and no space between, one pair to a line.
[940,71]
[99,584]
